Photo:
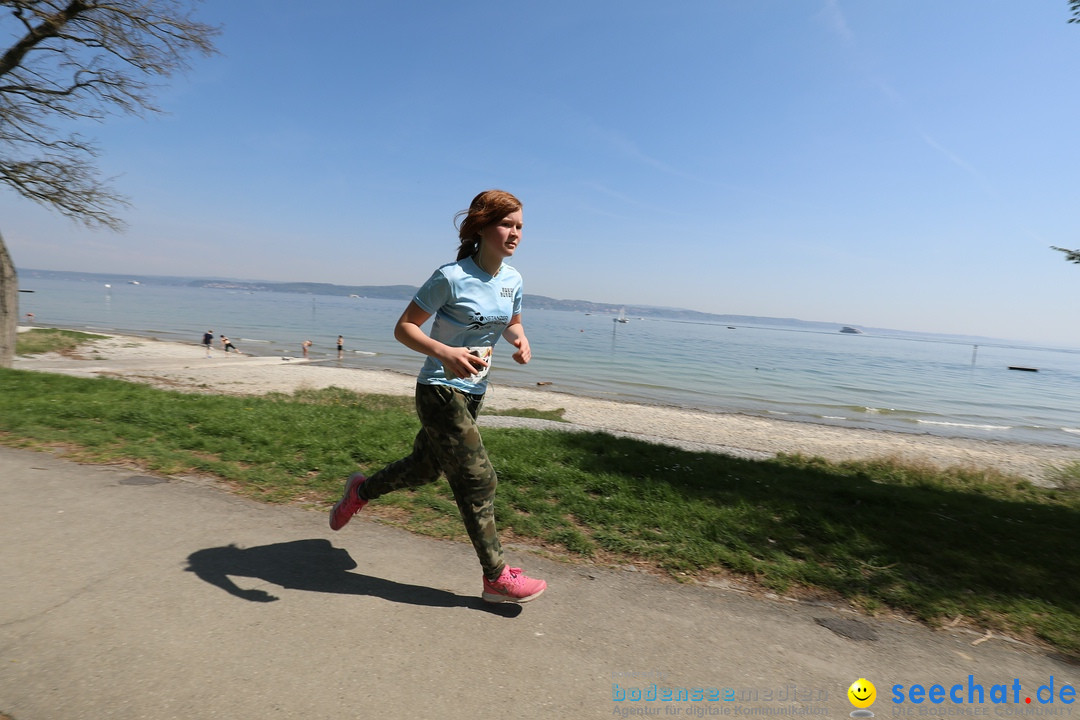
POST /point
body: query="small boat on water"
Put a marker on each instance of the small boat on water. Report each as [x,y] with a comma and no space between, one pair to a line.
[621,317]
[851,330]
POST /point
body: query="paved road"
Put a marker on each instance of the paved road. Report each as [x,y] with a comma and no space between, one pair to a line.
[131,597]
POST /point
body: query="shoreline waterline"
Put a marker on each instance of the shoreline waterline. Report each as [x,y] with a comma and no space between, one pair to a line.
[184,366]
[887,380]
[860,417]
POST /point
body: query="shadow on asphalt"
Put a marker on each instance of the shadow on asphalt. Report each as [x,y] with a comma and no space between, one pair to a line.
[317,566]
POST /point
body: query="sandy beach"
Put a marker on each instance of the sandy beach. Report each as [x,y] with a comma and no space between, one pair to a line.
[186,367]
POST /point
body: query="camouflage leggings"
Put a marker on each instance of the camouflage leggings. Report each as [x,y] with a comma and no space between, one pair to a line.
[449,443]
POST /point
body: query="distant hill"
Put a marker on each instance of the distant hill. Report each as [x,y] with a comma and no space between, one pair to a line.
[391,292]
[384,292]
[406,292]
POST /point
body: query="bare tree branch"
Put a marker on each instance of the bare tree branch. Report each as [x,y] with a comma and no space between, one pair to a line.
[83,60]
[1070,255]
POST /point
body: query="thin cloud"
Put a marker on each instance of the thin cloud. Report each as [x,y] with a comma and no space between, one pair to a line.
[960,163]
[838,24]
[836,20]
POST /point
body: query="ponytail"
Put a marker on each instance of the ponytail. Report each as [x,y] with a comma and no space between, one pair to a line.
[468,248]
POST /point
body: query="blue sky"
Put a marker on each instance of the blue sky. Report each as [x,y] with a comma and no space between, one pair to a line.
[902,164]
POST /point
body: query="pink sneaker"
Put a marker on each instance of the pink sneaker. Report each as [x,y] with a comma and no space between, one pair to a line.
[512,586]
[349,504]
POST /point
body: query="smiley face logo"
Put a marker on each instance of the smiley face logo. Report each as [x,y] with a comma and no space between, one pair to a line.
[862,693]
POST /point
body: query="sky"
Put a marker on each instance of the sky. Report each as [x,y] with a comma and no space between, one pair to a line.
[901,164]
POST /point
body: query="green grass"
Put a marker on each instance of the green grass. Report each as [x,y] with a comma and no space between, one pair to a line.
[990,549]
[1067,476]
[42,340]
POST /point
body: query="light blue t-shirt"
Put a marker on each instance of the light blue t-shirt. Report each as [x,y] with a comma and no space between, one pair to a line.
[471,309]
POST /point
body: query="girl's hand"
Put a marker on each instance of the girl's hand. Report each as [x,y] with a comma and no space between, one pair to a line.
[458,362]
[524,352]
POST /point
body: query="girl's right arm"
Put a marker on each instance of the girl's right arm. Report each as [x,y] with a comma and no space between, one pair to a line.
[456,361]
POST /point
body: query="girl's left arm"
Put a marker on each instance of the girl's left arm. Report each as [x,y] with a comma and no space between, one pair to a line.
[515,335]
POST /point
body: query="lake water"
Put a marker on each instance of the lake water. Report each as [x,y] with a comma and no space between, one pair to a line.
[902,382]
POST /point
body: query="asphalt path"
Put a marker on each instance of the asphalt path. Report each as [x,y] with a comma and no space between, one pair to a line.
[132,596]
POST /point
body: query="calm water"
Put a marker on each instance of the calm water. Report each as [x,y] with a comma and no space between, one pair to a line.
[926,384]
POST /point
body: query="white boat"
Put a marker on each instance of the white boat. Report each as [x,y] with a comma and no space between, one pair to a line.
[622,317]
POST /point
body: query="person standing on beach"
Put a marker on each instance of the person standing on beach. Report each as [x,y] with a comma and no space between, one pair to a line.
[208,341]
[340,346]
[304,346]
[475,300]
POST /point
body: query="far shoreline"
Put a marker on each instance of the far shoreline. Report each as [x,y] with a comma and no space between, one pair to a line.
[179,365]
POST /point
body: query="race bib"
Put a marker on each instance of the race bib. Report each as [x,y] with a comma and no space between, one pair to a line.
[484,353]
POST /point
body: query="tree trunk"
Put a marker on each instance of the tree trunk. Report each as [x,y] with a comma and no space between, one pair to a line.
[9,306]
